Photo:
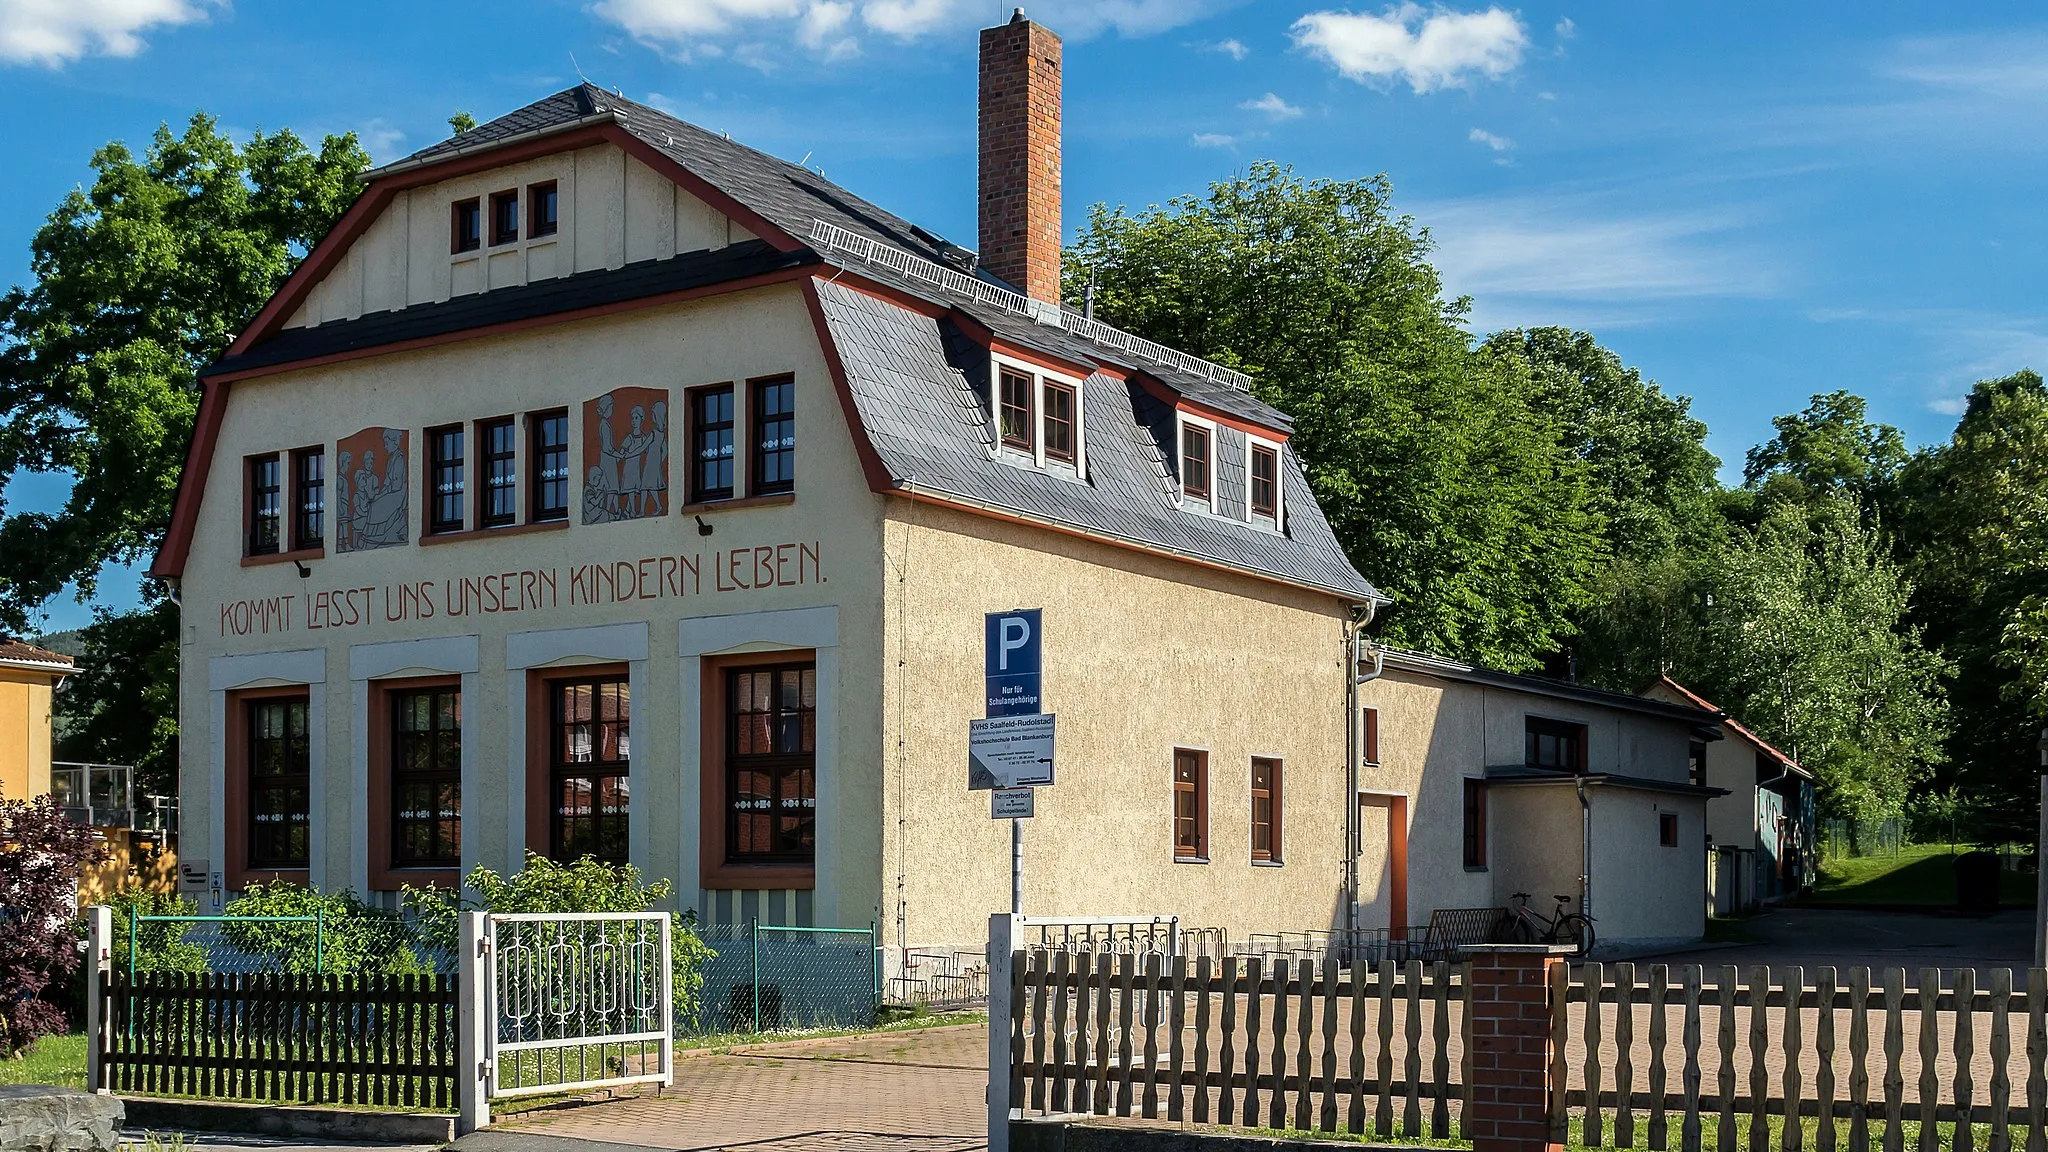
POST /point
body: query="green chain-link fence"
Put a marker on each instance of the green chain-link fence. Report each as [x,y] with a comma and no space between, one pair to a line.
[782,977]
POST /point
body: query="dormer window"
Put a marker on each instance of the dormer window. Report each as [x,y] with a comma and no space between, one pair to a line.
[1194,460]
[1017,410]
[1265,472]
[466,226]
[504,218]
[1059,422]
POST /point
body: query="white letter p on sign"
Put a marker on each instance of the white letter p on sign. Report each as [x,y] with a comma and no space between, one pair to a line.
[1013,632]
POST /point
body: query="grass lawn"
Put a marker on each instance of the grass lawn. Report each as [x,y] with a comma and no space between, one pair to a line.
[58,1060]
[1921,874]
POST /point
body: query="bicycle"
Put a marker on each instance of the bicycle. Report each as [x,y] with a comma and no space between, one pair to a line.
[1519,925]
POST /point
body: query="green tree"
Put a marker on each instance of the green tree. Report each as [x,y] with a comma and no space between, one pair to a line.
[1444,478]
[1975,526]
[122,706]
[1654,487]
[1831,449]
[139,282]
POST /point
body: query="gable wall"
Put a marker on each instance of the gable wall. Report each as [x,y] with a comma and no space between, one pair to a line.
[612,210]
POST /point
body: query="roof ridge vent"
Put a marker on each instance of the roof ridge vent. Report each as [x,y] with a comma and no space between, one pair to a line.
[831,236]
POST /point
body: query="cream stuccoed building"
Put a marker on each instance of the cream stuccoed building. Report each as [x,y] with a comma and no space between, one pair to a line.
[601,486]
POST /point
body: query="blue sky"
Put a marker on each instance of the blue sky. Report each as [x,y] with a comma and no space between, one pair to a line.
[1750,202]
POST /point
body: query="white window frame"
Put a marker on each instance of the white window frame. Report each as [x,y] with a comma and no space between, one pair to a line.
[1039,375]
[1183,419]
[1279,480]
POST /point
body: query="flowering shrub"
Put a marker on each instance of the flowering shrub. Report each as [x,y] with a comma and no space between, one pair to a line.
[41,857]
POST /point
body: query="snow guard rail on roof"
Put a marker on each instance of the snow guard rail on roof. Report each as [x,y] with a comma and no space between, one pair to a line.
[834,238]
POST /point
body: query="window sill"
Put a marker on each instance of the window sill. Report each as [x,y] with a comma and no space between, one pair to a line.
[284,557]
[760,877]
[770,501]
[1477,868]
[488,533]
[1269,863]
[1190,859]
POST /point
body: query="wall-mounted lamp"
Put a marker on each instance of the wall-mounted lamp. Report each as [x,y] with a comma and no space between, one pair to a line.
[304,571]
[704,529]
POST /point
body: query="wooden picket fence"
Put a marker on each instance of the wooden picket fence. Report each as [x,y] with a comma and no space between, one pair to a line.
[279,1038]
[1240,1041]
[1698,1058]
[1655,1054]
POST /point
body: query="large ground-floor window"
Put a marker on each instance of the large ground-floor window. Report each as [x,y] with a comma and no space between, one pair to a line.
[771,764]
[426,778]
[590,754]
[279,753]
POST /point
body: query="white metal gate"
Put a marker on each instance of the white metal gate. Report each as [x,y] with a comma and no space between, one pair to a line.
[576,1001]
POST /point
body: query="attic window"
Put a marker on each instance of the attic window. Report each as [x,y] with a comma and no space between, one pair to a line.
[1194,460]
[1265,481]
[1016,410]
[466,226]
[1059,422]
[540,207]
[505,217]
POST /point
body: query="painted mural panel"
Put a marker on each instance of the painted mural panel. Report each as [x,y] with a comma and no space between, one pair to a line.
[625,455]
[370,490]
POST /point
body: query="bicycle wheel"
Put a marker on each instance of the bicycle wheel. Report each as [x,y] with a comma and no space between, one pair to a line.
[1513,929]
[1575,930]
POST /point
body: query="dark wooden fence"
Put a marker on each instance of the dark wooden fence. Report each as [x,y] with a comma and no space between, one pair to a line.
[286,1039]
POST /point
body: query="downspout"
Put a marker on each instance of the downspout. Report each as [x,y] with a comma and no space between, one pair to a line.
[1354,750]
[1586,878]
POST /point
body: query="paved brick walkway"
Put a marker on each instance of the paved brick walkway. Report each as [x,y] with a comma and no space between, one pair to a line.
[893,1092]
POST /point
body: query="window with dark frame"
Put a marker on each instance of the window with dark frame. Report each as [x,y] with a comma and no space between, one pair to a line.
[445,468]
[1696,763]
[1265,809]
[1194,460]
[1555,745]
[1059,422]
[1190,804]
[1015,408]
[1475,823]
[711,443]
[266,504]
[426,778]
[1667,829]
[590,755]
[1265,481]
[465,226]
[771,770]
[500,442]
[504,217]
[773,468]
[541,219]
[280,767]
[309,498]
[547,450]
[1370,730]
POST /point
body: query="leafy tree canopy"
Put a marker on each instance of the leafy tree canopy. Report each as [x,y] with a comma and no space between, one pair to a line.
[140,281]
[1830,449]
[1444,477]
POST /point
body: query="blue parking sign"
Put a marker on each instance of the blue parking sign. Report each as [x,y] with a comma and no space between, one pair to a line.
[1014,662]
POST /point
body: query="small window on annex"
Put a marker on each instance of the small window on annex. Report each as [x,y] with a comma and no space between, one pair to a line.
[465,226]
[590,757]
[266,504]
[1190,804]
[1194,460]
[1370,726]
[541,219]
[280,793]
[1555,745]
[426,778]
[1265,810]
[711,443]
[504,217]
[1475,824]
[771,764]
[1667,829]
[547,451]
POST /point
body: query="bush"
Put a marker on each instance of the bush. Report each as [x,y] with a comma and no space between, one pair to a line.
[41,858]
[588,885]
[159,947]
[349,936]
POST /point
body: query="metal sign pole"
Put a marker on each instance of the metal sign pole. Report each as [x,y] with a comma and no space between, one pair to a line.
[1017,867]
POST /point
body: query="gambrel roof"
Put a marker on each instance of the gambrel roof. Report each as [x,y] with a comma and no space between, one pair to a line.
[888,298]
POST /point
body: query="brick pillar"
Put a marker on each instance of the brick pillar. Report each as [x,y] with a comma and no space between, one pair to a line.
[1020,156]
[1512,1049]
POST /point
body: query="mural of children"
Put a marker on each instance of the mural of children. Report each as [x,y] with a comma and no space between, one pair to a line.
[625,464]
[345,521]
[387,518]
[598,497]
[633,454]
[654,472]
[608,455]
[371,502]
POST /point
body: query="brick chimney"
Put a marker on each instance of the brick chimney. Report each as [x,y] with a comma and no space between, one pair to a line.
[1020,156]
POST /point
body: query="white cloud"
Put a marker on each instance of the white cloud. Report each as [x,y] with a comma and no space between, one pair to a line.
[691,28]
[1497,143]
[1212,140]
[381,139]
[1272,105]
[1950,405]
[55,32]
[1566,29]
[1234,49]
[1429,48]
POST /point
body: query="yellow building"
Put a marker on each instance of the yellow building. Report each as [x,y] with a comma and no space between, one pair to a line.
[28,684]
[603,486]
